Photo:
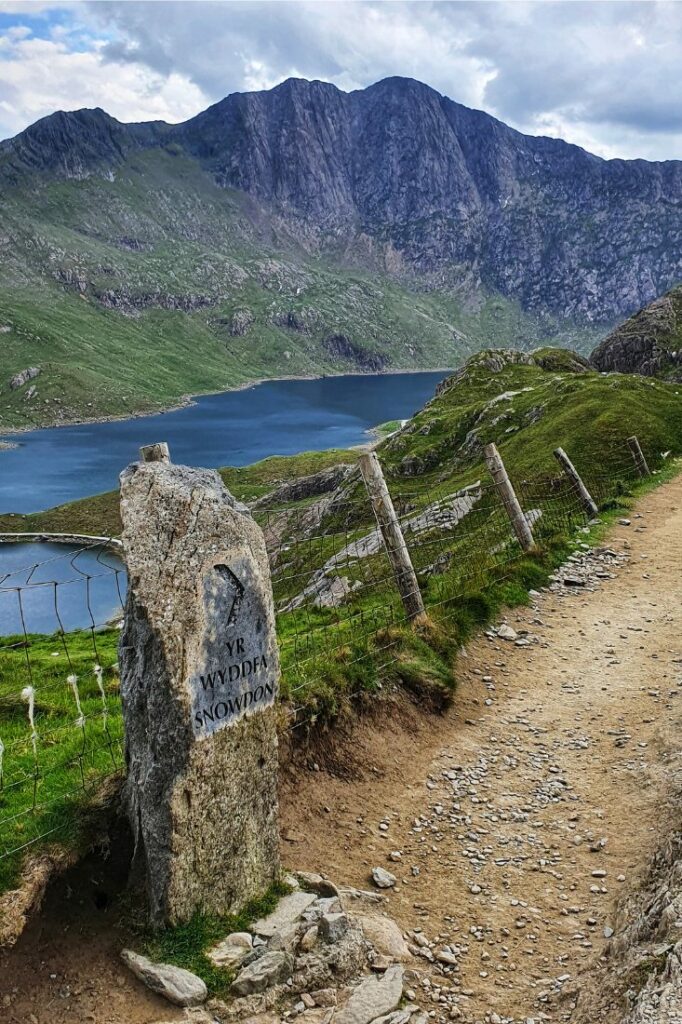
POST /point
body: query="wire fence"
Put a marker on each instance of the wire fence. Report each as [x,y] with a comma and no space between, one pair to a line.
[340,620]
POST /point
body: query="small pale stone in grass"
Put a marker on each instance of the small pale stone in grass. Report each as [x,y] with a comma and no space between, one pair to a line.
[173,983]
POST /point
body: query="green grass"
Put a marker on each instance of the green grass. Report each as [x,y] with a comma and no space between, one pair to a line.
[44,791]
[95,315]
[186,945]
[337,660]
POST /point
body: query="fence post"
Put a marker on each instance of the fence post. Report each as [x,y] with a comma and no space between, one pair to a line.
[199,673]
[394,542]
[158,452]
[511,503]
[638,455]
[586,498]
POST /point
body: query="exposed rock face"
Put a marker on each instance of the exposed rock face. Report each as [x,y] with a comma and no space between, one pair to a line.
[201,740]
[423,183]
[21,378]
[240,322]
[307,486]
[341,347]
[650,342]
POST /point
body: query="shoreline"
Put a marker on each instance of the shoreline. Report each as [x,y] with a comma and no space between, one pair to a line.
[186,401]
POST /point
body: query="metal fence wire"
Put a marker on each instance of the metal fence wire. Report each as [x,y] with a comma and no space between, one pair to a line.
[339,614]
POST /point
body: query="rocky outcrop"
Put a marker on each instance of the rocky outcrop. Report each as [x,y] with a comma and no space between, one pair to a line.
[340,346]
[240,322]
[306,486]
[649,343]
[23,377]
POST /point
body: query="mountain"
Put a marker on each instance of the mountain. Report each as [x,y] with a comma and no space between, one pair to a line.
[303,230]
[650,342]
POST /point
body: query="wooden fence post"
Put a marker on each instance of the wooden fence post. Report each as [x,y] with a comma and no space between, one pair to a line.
[394,542]
[158,452]
[586,498]
[638,455]
[510,501]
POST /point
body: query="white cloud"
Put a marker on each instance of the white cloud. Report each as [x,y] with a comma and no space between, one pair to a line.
[38,76]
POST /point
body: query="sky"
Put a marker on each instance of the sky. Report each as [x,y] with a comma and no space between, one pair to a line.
[603,75]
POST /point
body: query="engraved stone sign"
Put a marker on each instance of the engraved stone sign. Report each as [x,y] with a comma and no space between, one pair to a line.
[199,676]
[237,675]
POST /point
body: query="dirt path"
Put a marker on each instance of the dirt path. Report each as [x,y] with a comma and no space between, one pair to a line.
[521,815]
[551,766]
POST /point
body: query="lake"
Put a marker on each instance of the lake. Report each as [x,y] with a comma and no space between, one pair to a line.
[50,588]
[234,428]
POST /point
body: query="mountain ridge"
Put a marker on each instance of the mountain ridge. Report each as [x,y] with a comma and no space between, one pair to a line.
[441,189]
[304,230]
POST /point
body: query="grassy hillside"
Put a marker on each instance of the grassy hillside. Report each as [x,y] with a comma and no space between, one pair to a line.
[342,631]
[129,293]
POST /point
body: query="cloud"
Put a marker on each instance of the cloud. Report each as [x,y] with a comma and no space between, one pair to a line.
[603,75]
[38,76]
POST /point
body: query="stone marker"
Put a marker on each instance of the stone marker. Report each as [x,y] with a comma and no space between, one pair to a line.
[199,676]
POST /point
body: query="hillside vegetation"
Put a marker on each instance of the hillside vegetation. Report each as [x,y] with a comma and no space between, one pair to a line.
[342,630]
[128,293]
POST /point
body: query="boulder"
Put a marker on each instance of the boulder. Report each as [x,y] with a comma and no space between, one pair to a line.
[386,937]
[268,970]
[332,927]
[287,912]
[383,878]
[374,997]
[173,983]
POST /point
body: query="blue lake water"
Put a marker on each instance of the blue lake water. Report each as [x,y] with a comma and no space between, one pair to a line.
[50,588]
[47,588]
[235,428]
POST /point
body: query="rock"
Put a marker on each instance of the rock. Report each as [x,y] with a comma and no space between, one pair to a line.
[173,983]
[325,997]
[309,939]
[21,378]
[306,487]
[386,937]
[316,883]
[268,970]
[373,998]
[199,604]
[232,950]
[362,895]
[286,938]
[332,927]
[240,322]
[505,632]
[286,913]
[382,878]
[397,1017]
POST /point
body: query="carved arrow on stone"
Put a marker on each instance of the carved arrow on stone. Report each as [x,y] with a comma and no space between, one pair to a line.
[237,586]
